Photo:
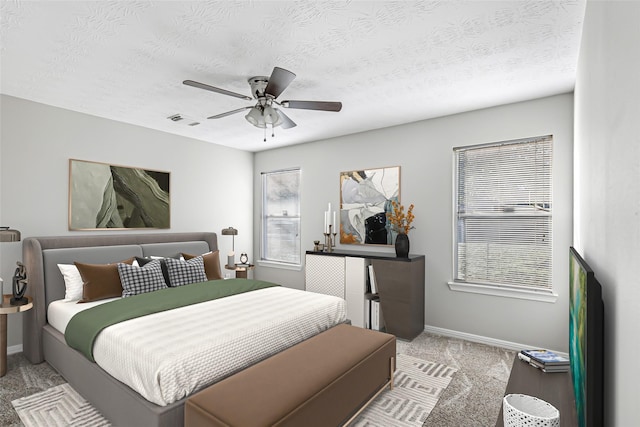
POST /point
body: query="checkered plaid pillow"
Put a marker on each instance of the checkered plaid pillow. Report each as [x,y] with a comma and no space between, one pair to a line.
[185,272]
[143,261]
[139,280]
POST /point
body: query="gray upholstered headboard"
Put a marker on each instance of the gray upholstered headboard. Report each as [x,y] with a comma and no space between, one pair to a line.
[45,283]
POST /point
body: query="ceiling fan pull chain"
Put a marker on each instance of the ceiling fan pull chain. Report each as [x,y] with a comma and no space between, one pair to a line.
[265,134]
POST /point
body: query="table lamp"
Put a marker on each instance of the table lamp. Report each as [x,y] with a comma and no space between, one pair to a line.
[231,258]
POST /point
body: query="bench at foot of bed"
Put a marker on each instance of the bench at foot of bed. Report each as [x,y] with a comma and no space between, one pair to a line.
[323,381]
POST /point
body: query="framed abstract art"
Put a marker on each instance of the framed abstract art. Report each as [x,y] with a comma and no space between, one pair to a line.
[365,199]
[104,196]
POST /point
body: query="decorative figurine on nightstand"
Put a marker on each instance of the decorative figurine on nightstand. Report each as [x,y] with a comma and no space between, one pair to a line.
[19,286]
[244,258]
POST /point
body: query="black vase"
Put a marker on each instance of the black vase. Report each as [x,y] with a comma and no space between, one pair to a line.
[402,246]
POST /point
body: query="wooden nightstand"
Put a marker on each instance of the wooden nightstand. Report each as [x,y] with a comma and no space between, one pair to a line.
[5,309]
[240,269]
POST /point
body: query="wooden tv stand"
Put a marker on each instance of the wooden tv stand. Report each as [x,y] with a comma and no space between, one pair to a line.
[555,388]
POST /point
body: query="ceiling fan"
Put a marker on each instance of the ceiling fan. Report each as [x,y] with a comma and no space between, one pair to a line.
[266,91]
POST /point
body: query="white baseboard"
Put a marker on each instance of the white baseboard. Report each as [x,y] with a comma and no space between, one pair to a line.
[14,349]
[484,340]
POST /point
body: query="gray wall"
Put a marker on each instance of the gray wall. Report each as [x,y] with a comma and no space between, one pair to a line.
[38,140]
[424,152]
[607,189]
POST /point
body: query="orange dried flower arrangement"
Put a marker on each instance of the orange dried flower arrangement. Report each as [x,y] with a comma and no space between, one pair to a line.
[400,222]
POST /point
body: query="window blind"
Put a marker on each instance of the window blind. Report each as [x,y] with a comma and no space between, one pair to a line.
[281,216]
[503,213]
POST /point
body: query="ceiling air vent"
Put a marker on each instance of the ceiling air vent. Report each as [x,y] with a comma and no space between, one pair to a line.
[183,120]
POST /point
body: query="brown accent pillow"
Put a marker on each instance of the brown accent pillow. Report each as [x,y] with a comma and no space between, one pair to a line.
[211,264]
[100,280]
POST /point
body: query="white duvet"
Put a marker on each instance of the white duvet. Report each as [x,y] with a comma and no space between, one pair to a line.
[169,355]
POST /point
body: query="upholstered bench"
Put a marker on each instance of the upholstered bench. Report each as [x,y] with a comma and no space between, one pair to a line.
[323,381]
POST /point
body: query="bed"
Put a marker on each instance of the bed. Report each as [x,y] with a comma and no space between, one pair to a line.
[219,353]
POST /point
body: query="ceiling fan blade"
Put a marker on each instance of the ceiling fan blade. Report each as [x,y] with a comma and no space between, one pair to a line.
[278,82]
[228,113]
[287,123]
[313,105]
[216,89]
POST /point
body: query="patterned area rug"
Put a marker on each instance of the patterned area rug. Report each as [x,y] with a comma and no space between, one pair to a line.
[417,387]
[58,406]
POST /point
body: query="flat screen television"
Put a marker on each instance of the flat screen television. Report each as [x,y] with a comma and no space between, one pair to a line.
[586,341]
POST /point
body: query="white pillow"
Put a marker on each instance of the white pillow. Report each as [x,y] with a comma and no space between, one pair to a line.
[181,258]
[72,282]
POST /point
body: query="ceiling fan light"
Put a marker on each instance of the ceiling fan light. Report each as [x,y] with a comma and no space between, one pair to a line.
[279,121]
[271,116]
[254,116]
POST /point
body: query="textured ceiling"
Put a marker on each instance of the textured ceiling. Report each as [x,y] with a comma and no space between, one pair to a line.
[388,62]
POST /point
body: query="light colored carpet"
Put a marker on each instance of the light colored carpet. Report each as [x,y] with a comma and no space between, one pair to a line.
[417,386]
[474,397]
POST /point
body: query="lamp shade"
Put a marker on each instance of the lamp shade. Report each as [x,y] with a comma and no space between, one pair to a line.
[9,235]
[229,231]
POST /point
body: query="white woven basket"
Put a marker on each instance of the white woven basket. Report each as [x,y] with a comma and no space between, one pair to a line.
[521,410]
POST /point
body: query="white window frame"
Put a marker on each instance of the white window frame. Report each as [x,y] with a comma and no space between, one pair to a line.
[495,217]
[272,262]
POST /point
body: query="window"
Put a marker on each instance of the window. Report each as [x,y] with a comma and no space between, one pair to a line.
[503,214]
[281,217]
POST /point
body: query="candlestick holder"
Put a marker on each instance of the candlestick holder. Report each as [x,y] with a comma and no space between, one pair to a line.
[329,241]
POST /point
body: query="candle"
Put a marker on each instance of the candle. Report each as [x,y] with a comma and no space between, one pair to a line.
[231,259]
[335,224]
[325,223]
